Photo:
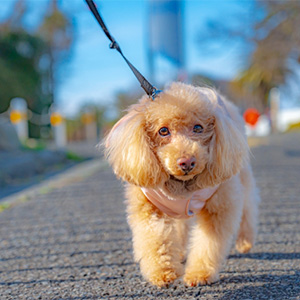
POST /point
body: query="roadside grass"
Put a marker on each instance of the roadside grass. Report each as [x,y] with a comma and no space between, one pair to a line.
[74,157]
[4,206]
[34,144]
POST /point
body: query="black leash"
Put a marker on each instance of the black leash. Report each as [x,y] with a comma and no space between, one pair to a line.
[150,90]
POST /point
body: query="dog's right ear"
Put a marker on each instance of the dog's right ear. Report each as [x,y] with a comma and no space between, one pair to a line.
[127,148]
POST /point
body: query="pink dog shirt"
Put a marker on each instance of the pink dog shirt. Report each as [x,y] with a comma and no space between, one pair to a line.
[179,207]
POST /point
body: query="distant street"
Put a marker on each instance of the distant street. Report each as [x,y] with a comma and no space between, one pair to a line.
[73,241]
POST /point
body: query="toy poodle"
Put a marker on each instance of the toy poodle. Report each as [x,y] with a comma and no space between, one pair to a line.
[190,188]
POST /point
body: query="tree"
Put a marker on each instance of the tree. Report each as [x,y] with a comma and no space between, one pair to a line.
[277,50]
[15,19]
[20,54]
[273,36]
[126,98]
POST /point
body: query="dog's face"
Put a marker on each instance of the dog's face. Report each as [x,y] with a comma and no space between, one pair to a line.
[185,134]
[180,135]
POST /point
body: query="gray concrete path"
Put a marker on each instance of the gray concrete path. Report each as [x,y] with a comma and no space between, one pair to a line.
[72,241]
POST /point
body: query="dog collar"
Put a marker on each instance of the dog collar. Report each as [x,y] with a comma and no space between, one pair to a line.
[179,207]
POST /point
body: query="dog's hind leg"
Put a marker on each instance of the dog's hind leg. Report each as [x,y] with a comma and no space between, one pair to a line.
[156,242]
[248,226]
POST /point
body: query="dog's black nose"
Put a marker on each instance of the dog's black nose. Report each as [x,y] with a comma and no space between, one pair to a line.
[186,164]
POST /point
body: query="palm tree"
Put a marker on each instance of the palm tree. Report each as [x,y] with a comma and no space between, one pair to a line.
[276,54]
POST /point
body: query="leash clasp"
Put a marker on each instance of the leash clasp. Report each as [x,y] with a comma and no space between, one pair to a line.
[114,45]
[155,93]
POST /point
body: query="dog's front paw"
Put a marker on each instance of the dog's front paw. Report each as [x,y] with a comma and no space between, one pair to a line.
[163,278]
[161,273]
[198,277]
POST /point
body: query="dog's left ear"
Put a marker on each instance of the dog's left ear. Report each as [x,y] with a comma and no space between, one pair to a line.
[128,151]
[228,149]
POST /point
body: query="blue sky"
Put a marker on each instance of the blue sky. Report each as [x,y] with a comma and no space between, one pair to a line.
[96,73]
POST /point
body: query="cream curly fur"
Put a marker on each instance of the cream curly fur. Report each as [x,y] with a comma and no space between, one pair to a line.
[144,158]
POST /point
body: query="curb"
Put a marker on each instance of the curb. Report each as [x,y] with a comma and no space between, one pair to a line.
[74,174]
[254,142]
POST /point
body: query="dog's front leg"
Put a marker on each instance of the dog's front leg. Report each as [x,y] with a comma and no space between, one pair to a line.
[156,242]
[211,237]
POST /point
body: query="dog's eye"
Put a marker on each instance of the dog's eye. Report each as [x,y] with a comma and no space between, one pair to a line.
[198,128]
[164,131]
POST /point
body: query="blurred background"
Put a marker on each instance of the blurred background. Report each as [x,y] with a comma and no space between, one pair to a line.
[62,88]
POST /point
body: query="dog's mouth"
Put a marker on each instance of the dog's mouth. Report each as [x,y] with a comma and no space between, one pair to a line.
[185,177]
[182,171]
[182,179]
[181,175]
[178,186]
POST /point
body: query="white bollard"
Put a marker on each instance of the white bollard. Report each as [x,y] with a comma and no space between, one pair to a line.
[59,129]
[88,118]
[18,117]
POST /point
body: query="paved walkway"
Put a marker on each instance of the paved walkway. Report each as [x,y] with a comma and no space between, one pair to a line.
[72,240]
